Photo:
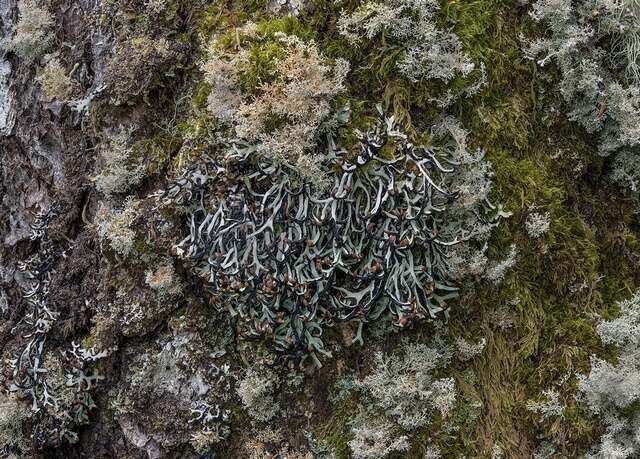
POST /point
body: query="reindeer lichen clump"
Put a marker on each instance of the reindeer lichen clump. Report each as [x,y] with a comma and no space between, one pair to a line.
[282,113]
[290,258]
[56,82]
[429,52]
[611,390]
[596,44]
[33,33]
[12,414]
[401,393]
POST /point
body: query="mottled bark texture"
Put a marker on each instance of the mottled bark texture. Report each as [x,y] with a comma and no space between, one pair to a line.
[47,159]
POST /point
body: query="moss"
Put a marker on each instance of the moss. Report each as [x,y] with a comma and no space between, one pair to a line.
[336,431]
[89,341]
[289,25]
[155,152]
[261,65]
[510,116]
[142,247]
[212,18]
[223,17]
[201,96]
[455,435]
[580,268]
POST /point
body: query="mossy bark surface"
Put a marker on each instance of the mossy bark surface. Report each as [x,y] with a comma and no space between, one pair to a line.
[539,323]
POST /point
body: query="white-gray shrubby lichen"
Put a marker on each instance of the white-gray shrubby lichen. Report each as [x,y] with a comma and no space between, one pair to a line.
[610,389]
[596,45]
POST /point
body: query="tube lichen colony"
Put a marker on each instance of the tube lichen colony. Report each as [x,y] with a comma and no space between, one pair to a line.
[290,258]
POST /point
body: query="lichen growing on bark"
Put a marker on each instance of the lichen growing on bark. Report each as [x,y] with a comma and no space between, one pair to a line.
[213,242]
